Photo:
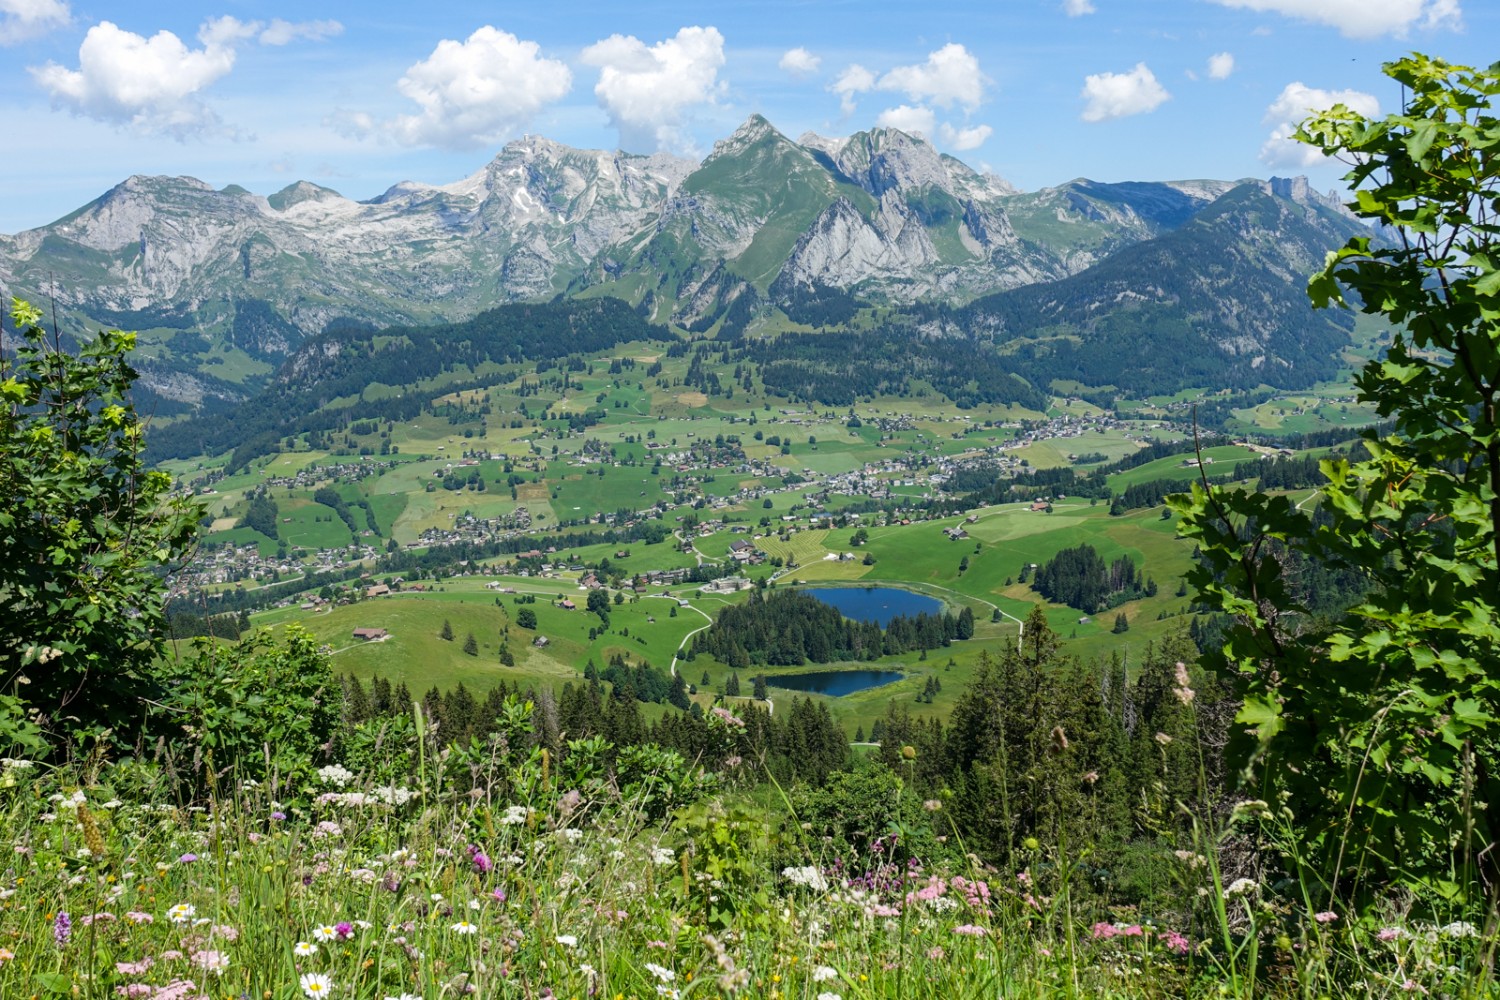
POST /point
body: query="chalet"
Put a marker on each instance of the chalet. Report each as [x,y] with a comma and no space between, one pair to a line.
[371,634]
[740,545]
[1041,505]
[379,590]
[567,605]
[540,641]
[955,533]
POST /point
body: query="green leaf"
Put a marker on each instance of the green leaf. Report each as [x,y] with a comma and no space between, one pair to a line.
[55,982]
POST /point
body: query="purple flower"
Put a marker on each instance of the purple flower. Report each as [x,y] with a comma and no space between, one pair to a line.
[62,928]
[278,815]
[480,860]
[188,857]
[344,929]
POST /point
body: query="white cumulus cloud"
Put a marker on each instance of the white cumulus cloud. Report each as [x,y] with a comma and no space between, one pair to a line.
[1077,8]
[962,139]
[1363,18]
[647,89]
[800,62]
[1119,95]
[1295,102]
[1220,65]
[476,92]
[22,20]
[855,79]
[950,76]
[151,83]
[914,120]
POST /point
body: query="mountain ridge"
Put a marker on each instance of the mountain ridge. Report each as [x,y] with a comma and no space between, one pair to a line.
[225,284]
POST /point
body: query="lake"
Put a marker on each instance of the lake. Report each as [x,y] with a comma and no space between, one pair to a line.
[875,604]
[834,683]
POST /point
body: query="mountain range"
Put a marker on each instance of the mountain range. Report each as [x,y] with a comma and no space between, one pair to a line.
[224,284]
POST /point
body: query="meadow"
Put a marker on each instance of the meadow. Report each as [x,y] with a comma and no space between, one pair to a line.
[494,871]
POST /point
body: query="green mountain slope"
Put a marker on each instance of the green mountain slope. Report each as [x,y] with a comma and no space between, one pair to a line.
[1217,302]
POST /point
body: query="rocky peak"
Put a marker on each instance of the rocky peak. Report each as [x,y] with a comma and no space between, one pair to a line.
[301,191]
[754,130]
[886,159]
[821,143]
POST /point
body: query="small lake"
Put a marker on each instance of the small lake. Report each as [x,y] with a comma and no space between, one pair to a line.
[875,604]
[834,683]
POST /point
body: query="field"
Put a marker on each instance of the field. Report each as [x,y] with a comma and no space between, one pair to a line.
[690,457]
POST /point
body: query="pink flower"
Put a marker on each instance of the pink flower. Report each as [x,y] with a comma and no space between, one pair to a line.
[211,961]
[1326,917]
[1176,942]
[1389,933]
[970,930]
[134,968]
[1134,930]
[102,918]
[1103,931]
[137,917]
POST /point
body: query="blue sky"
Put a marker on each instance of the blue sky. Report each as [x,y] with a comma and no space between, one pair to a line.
[358,97]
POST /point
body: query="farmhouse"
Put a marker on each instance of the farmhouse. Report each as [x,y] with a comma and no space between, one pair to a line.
[379,590]
[371,634]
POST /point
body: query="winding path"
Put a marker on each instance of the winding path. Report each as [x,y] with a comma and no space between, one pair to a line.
[680,603]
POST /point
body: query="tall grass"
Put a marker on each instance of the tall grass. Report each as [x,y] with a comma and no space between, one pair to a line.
[493,878]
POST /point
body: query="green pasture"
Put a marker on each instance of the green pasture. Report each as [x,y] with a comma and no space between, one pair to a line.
[311,525]
[581,492]
[1173,467]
